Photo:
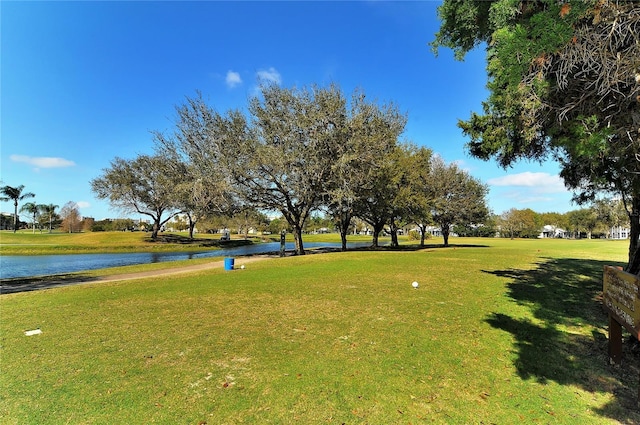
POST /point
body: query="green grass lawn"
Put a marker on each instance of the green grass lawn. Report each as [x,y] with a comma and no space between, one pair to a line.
[499,331]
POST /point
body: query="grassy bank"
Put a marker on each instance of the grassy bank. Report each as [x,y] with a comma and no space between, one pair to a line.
[499,331]
[29,243]
[26,242]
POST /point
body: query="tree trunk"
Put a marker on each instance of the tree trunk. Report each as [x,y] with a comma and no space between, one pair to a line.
[297,235]
[374,239]
[423,230]
[634,248]
[445,235]
[15,216]
[296,221]
[343,225]
[192,225]
[377,228]
[394,233]
[343,241]
[155,229]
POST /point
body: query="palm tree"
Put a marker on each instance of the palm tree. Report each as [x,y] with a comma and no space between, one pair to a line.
[14,194]
[49,210]
[32,208]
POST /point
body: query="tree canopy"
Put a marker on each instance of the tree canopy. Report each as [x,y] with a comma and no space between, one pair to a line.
[564,82]
[143,185]
[292,151]
[32,208]
[457,197]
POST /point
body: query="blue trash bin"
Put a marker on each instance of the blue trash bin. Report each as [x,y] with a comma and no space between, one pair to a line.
[228,263]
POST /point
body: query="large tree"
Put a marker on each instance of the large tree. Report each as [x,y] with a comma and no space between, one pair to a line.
[458,198]
[524,223]
[286,160]
[375,201]
[10,193]
[144,185]
[276,157]
[564,80]
[70,215]
[411,188]
[32,208]
[49,210]
[368,142]
[582,220]
[414,195]
[204,188]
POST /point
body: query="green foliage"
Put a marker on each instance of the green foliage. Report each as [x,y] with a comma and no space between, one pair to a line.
[15,194]
[464,26]
[277,225]
[581,221]
[482,230]
[414,235]
[109,225]
[143,185]
[585,138]
[524,223]
[458,198]
[563,82]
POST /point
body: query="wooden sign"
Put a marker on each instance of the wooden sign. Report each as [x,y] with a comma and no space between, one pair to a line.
[621,291]
[620,294]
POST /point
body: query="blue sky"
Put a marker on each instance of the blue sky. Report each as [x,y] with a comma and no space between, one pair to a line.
[84,82]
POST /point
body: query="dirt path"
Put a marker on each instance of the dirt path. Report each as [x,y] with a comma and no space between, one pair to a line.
[46,282]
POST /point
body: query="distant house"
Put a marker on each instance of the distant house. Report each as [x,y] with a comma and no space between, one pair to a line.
[619,232]
[549,231]
[433,230]
[6,221]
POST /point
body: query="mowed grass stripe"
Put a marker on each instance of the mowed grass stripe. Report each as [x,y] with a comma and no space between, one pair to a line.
[499,332]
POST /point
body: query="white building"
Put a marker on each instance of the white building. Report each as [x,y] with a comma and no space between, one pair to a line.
[549,231]
[619,232]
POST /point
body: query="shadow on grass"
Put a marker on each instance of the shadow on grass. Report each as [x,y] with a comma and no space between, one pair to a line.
[415,247]
[563,294]
[26,284]
[379,248]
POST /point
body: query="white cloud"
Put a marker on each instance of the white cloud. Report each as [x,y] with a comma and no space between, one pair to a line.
[42,161]
[270,75]
[83,204]
[529,197]
[539,182]
[233,79]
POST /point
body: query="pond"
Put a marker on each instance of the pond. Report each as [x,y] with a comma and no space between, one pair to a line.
[12,266]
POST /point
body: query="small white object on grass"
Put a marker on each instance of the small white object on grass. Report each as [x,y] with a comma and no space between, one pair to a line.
[33,332]
[242,267]
[415,285]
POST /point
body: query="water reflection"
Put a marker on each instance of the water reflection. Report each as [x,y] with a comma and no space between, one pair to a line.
[27,266]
